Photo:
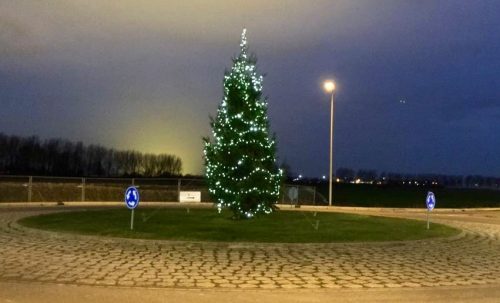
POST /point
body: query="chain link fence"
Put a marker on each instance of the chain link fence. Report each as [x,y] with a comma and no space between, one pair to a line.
[296,195]
[73,189]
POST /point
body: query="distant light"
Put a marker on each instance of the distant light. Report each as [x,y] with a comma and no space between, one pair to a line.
[324,177]
[300,176]
[329,86]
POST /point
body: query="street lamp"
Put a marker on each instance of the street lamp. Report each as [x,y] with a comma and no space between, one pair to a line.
[329,87]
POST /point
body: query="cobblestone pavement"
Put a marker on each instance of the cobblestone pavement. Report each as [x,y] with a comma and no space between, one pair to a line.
[472,258]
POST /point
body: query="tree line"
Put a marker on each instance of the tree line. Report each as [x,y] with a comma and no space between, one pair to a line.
[60,157]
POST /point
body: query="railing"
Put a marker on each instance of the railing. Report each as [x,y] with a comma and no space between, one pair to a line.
[63,189]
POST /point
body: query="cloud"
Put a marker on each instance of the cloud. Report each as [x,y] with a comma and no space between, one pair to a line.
[16,38]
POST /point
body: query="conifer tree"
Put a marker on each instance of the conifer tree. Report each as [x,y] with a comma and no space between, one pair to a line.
[240,159]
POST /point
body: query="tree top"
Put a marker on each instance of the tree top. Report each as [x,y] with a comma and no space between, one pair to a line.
[243,43]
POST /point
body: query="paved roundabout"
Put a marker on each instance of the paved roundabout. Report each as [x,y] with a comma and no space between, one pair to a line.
[27,255]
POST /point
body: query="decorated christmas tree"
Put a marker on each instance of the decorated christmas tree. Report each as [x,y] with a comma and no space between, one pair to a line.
[240,159]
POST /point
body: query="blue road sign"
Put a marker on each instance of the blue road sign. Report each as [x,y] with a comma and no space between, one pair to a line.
[132,197]
[430,201]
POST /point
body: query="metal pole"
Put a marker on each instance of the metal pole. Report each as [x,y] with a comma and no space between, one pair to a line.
[178,189]
[314,196]
[298,190]
[83,189]
[30,188]
[330,194]
[132,220]
[133,181]
[428,219]
[284,193]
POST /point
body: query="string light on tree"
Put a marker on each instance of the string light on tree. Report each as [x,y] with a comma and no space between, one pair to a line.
[240,160]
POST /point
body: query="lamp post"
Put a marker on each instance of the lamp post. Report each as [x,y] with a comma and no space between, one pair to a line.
[329,87]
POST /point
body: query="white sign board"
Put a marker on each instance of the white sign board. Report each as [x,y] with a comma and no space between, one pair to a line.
[190,196]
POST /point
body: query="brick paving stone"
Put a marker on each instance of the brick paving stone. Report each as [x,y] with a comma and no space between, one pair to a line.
[188,285]
[169,283]
[246,285]
[410,284]
[393,285]
[106,282]
[289,286]
[227,285]
[352,285]
[268,286]
[331,285]
[473,258]
[205,285]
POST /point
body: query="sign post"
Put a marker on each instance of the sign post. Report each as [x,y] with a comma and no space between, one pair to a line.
[430,201]
[132,201]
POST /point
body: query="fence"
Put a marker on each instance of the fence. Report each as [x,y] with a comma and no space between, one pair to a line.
[62,189]
[301,195]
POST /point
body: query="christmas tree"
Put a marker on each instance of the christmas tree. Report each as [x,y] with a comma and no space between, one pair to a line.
[240,160]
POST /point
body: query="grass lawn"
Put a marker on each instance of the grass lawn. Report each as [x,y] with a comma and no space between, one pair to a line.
[208,225]
[367,195]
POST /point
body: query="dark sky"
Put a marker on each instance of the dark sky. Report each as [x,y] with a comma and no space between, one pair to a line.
[146,75]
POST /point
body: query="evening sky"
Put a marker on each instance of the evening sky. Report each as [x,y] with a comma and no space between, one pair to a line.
[418,81]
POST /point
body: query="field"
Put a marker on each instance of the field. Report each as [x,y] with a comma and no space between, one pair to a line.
[209,225]
[410,196]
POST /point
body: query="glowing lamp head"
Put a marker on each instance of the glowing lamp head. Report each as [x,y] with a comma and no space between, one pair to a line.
[329,86]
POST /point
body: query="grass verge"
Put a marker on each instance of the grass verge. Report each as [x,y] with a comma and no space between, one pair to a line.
[208,225]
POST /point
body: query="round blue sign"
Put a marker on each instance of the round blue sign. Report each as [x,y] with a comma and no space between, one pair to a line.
[430,201]
[132,197]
